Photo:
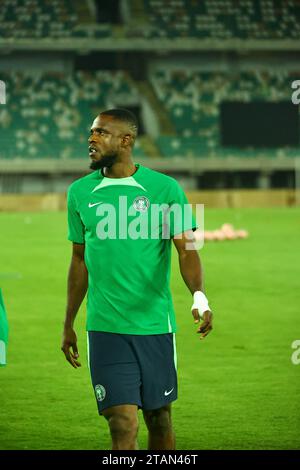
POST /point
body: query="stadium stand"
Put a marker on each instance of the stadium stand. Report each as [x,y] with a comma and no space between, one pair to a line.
[48,19]
[50,114]
[215,19]
[251,47]
[223,19]
[192,100]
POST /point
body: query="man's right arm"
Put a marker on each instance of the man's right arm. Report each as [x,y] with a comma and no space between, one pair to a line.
[77,287]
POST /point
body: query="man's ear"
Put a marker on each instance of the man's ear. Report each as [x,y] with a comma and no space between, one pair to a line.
[127,140]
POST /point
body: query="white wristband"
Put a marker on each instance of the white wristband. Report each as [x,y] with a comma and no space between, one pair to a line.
[200,302]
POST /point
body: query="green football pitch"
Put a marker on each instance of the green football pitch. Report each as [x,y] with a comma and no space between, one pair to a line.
[238,389]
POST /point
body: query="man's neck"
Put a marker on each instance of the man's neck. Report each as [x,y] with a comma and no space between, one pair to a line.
[120,170]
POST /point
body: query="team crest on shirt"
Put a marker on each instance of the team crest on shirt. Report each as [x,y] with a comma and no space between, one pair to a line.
[100,392]
[141,204]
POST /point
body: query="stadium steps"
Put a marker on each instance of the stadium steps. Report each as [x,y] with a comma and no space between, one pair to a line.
[83,12]
[146,90]
[149,146]
[117,30]
[138,22]
[138,12]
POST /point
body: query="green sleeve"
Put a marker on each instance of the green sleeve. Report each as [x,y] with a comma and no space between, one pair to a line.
[3,321]
[3,332]
[75,225]
[181,215]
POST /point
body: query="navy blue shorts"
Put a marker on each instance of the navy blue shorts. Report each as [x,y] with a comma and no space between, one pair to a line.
[132,369]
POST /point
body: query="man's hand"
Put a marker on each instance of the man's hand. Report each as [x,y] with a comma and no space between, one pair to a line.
[70,341]
[206,326]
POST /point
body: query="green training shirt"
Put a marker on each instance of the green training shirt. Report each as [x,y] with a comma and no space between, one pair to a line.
[124,224]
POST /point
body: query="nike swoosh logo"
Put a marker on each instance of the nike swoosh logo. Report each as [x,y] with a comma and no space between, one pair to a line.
[95,204]
[168,393]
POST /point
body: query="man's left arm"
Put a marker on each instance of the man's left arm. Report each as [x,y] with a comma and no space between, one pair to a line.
[191,271]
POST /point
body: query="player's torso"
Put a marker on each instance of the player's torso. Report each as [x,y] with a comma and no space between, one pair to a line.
[122,209]
[126,253]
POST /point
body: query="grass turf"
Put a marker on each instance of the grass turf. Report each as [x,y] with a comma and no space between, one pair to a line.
[238,389]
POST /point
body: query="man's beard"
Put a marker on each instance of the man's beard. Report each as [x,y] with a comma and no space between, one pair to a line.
[106,161]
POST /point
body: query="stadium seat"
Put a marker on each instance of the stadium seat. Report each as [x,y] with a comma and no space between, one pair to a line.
[223,19]
[192,99]
[50,114]
[55,19]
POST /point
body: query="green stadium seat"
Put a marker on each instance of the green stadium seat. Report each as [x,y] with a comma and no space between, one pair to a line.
[40,19]
[192,99]
[50,114]
[271,19]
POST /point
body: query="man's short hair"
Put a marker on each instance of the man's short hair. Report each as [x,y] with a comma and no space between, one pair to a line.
[123,115]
